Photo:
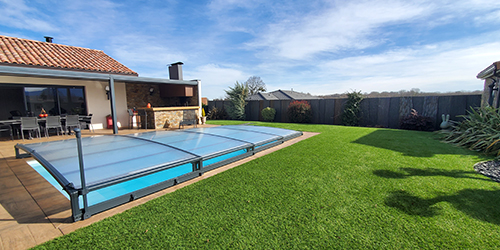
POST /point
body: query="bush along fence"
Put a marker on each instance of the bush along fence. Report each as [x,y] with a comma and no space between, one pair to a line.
[385,112]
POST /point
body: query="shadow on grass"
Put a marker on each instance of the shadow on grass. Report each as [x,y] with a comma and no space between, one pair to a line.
[478,204]
[409,172]
[411,143]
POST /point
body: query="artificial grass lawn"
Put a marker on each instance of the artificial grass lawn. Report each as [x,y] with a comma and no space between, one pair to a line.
[347,187]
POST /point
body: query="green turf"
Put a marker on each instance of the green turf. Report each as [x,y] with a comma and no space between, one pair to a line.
[347,187]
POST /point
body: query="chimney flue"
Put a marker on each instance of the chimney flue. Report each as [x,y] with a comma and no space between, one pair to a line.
[48,39]
[175,71]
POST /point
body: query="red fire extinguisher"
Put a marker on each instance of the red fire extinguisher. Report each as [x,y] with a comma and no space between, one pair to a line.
[109,121]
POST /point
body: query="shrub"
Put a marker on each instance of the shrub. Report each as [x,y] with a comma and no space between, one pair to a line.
[268,114]
[414,121]
[299,112]
[236,96]
[217,114]
[352,109]
[478,131]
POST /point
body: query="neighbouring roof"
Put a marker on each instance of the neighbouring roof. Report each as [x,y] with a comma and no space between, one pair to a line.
[493,69]
[282,95]
[23,52]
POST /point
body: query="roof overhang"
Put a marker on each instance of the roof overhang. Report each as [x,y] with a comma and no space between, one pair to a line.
[492,70]
[68,74]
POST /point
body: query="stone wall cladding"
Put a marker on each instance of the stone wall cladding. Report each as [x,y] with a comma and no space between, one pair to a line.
[171,118]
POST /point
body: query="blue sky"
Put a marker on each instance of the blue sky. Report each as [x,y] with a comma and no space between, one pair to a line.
[317,47]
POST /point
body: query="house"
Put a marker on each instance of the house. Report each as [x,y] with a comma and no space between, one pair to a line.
[282,95]
[62,79]
[491,77]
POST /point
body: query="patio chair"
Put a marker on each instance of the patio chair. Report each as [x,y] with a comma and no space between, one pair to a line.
[7,128]
[188,119]
[72,121]
[30,124]
[131,119]
[52,122]
[87,122]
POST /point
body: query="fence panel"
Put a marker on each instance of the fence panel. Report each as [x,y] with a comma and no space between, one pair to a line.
[315,111]
[329,111]
[277,106]
[393,116]
[339,106]
[254,107]
[284,107]
[444,106]
[384,111]
[418,104]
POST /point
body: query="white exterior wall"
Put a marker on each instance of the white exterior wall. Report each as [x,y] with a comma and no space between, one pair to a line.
[97,103]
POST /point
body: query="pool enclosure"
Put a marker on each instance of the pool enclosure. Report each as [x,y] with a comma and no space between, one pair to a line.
[121,168]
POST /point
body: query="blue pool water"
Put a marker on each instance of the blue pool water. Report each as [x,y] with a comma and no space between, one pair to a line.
[116,190]
[223,157]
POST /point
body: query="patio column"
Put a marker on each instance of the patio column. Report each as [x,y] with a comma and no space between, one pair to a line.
[113,104]
[199,100]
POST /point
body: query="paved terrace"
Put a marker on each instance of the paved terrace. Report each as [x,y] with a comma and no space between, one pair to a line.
[32,211]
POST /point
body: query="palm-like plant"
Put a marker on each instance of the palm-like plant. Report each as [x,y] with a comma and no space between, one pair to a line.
[479,131]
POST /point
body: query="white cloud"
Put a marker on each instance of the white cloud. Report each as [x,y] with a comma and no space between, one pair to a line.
[428,68]
[220,6]
[145,54]
[233,15]
[349,26]
[17,14]
[492,18]
[216,78]
[86,21]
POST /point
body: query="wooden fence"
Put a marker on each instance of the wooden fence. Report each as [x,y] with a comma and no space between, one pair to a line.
[382,112]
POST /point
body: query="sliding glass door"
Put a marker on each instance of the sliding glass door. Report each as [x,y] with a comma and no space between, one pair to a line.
[56,100]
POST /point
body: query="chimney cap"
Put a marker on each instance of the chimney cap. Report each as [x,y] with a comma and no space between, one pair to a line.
[48,39]
[177,63]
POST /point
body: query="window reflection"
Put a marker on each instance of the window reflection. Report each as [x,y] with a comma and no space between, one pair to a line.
[56,100]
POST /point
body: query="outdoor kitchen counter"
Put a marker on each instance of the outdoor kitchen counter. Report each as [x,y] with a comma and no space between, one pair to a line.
[170,117]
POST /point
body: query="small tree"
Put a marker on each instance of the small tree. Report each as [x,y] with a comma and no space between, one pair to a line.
[352,109]
[255,85]
[236,96]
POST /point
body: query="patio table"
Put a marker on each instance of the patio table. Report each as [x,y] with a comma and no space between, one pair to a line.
[41,121]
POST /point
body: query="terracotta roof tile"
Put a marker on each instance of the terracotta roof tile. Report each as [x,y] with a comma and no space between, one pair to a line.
[19,51]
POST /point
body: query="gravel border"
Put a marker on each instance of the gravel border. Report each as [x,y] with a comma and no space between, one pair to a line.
[489,169]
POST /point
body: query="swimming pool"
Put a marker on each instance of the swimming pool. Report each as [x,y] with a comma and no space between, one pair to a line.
[121,168]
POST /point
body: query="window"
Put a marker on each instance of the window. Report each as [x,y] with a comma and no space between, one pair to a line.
[56,100]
